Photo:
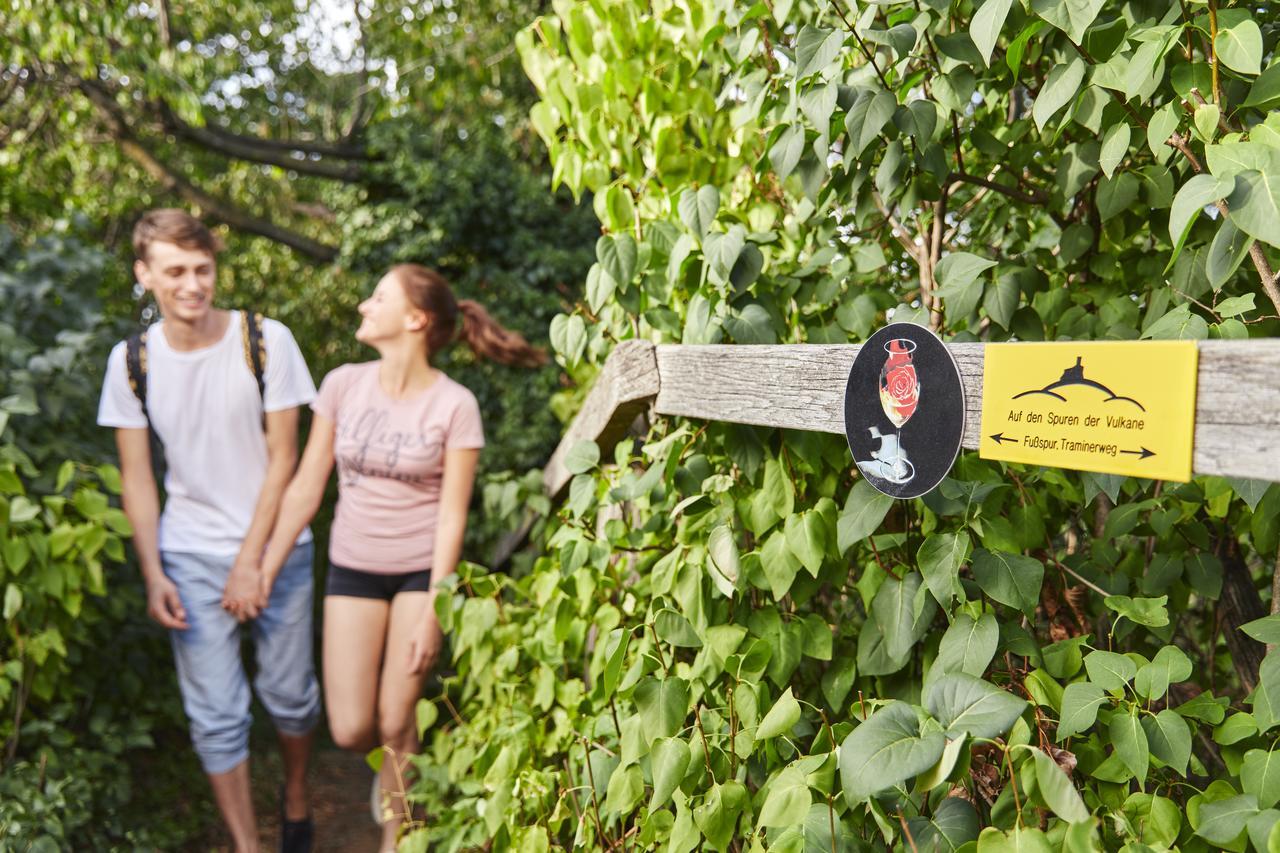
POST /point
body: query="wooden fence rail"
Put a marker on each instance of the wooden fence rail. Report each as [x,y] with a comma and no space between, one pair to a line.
[801,386]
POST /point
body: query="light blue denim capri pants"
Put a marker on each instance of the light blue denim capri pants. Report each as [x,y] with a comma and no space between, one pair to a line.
[211,675]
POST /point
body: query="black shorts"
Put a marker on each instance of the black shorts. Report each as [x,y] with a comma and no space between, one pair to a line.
[353,582]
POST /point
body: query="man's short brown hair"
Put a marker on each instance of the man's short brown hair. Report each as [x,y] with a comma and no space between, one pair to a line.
[172,225]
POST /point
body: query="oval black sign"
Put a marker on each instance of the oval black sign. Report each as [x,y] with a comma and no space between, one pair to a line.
[904,410]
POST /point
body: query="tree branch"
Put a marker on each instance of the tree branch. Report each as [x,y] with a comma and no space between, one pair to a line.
[870,57]
[175,182]
[345,150]
[250,149]
[904,236]
[1034,197]
[162,14]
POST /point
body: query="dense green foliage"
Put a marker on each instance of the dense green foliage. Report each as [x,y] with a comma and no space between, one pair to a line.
[82,678]
[726,641]
[370,140]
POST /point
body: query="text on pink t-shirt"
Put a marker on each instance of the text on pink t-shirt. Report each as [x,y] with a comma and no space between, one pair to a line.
[390,460]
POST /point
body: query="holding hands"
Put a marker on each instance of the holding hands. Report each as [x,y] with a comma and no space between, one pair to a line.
[247,591]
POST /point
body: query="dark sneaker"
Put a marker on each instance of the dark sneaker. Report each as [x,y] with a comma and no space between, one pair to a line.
[295,835]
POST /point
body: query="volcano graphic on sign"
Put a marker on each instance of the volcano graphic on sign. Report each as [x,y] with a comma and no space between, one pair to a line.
[1075,376]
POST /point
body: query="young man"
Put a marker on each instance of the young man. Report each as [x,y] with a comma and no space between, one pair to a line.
[230,447]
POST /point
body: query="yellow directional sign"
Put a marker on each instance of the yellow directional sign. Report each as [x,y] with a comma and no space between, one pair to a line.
[1113,407]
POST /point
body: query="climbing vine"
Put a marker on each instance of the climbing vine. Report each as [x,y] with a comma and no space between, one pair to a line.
[726,640]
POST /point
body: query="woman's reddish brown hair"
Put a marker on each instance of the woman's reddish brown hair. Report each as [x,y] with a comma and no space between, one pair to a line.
[428,291]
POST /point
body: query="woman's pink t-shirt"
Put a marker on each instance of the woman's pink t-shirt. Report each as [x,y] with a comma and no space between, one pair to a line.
[390,459]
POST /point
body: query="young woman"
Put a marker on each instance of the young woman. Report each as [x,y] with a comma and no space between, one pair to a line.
[406,439]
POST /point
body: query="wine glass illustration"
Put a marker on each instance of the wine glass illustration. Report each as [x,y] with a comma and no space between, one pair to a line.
[899,385]
[899,398]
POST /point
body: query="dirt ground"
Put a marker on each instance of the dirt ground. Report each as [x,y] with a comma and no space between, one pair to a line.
[340,784]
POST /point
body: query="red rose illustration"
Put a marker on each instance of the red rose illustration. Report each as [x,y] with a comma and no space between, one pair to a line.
[899,386]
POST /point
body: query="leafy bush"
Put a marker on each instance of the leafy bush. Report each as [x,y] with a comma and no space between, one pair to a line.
[83,677]
[727,641]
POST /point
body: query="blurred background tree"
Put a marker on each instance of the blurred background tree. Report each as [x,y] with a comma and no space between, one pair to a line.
[324,141]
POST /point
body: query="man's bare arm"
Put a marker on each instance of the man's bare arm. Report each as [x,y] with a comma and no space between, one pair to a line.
[142,506]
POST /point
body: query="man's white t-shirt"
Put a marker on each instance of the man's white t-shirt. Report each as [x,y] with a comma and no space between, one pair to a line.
[206,410]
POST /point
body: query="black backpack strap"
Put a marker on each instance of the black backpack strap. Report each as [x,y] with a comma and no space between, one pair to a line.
[255,353]
[135,360]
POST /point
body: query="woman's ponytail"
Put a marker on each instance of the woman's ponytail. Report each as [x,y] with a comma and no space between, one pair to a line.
[429,291]
[489,339]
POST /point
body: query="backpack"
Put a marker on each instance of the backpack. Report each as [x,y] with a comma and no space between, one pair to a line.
[255,356]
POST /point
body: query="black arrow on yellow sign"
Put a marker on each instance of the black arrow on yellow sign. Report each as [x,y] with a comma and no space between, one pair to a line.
[1142,454]
[1000,438]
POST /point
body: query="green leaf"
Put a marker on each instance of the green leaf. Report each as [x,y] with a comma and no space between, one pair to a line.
[806,537]
[1008,578]
[817,104]
[663,705]
[959,269]
[1222,821]
[1109,670]
[1115,144]
[816,48]
[963,703]
[12,601]
[1002,296]
[1055,786]
[1264,94]
[1023,839]
[582,457]
[896,610]
[1170,666]
[1073,17]
[863,512]
[1234,306]
[1260,775]
[1197,193]
[779,564]
[1080,703]
[668,760]
[1116,194]
[673,628]
[426,713]
[1178,325]
[1261,827]
[986,24]
[885,751]
[619,640]
[1169,738]
[788,800]
[968,645]
[1145,611]
[867,117]
[1264,630]
[784,714]
[1162,125]
[722,548]
[1206,120]
[785,153]
[777,485]
[1059,89]
[618,256]
[718,814]
[1255,205]
[1226,252]
[1239,46]
[626,787]
[66,471]
[698,209]
[1130,741]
